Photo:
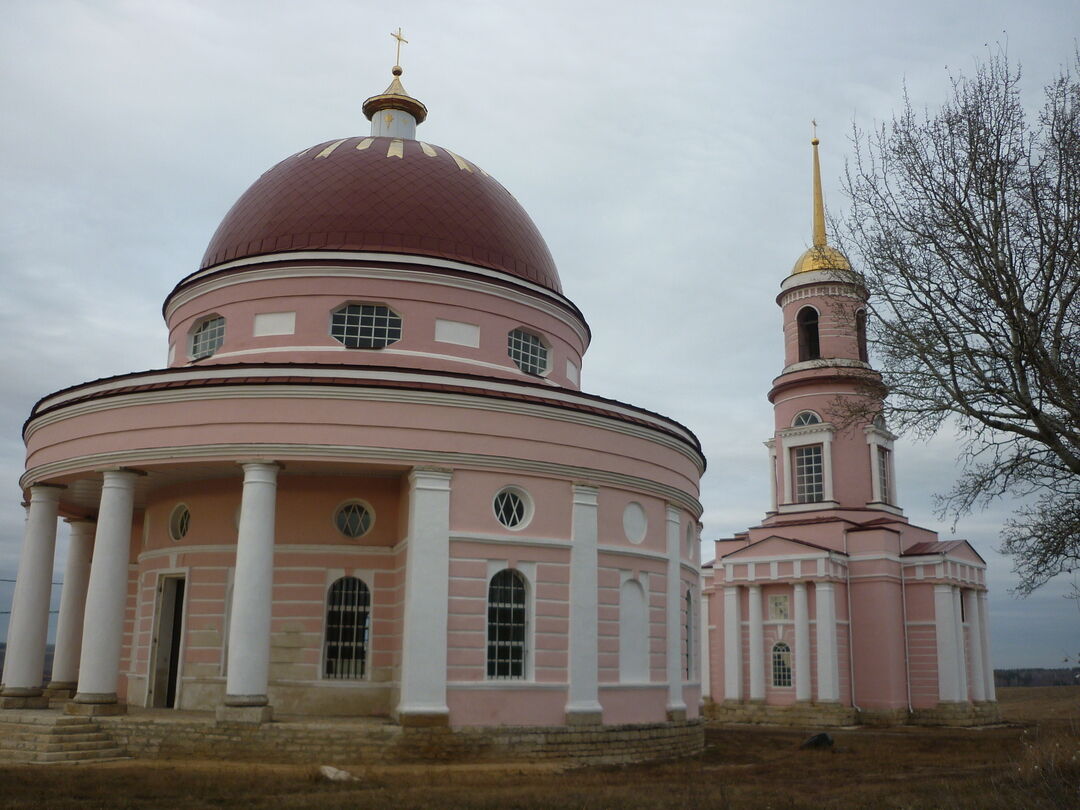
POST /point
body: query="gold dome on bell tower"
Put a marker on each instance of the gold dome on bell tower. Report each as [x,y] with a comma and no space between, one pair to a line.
[821,255]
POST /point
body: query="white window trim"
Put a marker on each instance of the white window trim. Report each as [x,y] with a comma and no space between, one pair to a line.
[527,501]
[791,438]
[878,437]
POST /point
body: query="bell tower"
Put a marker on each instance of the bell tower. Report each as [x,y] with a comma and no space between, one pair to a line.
[830,449]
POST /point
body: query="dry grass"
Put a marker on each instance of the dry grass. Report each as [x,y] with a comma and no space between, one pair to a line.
[1034,762]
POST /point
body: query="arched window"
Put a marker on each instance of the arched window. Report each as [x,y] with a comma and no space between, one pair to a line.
[688,660]
[860,335]
[207,337]
[633,633]
[806,418]
[781,664]
[809,345]
[506,625]
[348,606]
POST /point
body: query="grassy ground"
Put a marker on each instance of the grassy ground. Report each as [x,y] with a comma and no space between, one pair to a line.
[1032,763]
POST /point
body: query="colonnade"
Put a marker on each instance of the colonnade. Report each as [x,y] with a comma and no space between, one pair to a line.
[95,593]
[828,676]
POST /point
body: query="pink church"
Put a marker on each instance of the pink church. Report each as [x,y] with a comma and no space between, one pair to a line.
[835,609]
[368,482]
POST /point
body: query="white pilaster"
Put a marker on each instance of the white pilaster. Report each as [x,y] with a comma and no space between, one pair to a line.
[757,645]
[248,664]
[771,446]
[675,602]
[826,467]
[802,642]
[945,627]
[984,631]
[427,573]
[107,591]
[971,610]
[961,653]
[827,661]
[24,662]
[69,625]
[732,644]
[704,637]
[583,703]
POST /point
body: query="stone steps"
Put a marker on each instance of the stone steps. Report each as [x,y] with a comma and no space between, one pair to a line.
[43,737]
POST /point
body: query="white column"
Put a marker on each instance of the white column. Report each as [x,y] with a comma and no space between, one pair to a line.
[984,631]
[771,445]
[248,667]
[107,591]
[945,627]
[24,662]
[825,622]
[826,467]
[583,702]
[961,653]
[427,582]
[971,610]
[69,625]
[802,642]
[676,706]
[704,639]
[732,644]
[783,455]
[757,645]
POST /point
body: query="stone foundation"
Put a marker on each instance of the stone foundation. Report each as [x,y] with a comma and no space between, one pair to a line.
[833,714]
[369,741]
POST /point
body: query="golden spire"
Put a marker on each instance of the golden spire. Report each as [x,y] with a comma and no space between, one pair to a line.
[820,256]
[819,200]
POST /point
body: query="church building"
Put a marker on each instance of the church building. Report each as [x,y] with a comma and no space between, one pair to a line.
[835,609]
[367,482]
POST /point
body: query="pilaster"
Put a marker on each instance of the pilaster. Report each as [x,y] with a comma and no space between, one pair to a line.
[583,703]
[676,706]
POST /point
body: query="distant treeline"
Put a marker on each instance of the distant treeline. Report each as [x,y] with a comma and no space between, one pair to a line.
[1062,676]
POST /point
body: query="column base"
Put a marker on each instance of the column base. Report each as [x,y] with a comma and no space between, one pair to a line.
[246,700]
[249,715]
[424,719]
[584,717]
[24,702]
[676,715]
[61,690]
[90,706]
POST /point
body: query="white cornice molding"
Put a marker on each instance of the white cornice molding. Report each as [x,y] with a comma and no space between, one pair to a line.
[204,281]
[659,430]
[825,363]
[91,463]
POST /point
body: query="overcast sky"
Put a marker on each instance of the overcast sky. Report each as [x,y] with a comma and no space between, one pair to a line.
[661,148]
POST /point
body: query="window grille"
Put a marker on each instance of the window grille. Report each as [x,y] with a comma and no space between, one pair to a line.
[509,508]
[347,610]
[781,664]
[527,351]
[207,337]
[179,521]
[365,326]
[354,519]
[806,418]
[883,474]
[506,626]
[809,474]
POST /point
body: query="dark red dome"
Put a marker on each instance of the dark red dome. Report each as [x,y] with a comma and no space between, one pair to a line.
[358,194]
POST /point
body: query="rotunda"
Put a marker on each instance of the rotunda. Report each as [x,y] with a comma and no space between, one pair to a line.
[367,482]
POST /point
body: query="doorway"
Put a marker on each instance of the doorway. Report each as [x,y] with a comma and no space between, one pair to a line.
[168,633]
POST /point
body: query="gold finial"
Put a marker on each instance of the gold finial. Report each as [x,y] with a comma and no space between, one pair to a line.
[400,39]
[819,200]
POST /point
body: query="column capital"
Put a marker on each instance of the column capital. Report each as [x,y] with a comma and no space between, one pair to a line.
[585,494]
[44,488]
[431,477]
[79,521]
[673,514]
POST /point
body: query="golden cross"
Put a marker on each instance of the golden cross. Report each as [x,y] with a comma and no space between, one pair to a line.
[813,127]
[400,39]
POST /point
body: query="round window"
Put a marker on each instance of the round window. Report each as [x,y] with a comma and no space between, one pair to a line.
[179,521]
[512,506]
[634,522]
[354,519]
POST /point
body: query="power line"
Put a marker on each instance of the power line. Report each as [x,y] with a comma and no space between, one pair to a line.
[8,612]
[11,580]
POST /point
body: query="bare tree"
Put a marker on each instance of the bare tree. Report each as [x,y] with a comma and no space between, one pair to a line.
[966,223]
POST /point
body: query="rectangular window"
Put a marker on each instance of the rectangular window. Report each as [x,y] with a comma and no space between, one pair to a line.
[809,474]
[778,608]
[883,474]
